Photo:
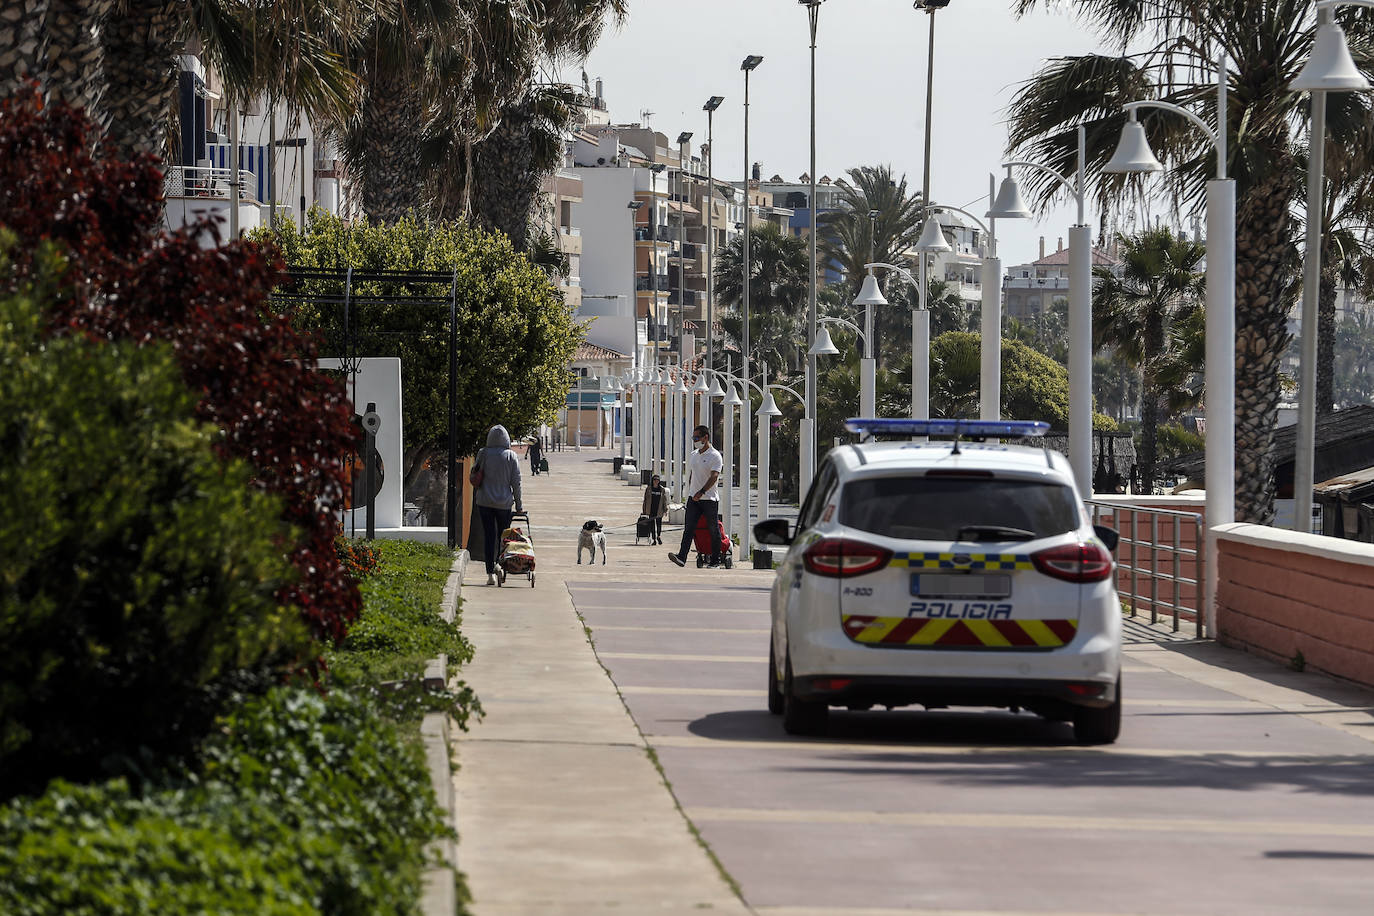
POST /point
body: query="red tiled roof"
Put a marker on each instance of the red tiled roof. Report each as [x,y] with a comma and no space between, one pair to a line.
[589,351]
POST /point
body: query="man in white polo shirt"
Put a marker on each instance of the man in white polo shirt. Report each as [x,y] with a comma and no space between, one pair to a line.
[703,498]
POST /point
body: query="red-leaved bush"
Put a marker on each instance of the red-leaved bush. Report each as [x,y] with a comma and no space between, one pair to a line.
[127,278]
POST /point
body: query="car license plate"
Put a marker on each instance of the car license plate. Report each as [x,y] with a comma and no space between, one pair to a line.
[959,585]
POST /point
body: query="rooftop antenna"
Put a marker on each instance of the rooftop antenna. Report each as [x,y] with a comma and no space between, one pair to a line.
[644,116]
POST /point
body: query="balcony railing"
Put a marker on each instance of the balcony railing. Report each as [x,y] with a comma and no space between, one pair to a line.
[208,182]
[642,283]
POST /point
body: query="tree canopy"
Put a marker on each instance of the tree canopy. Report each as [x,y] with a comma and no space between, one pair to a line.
[516,337]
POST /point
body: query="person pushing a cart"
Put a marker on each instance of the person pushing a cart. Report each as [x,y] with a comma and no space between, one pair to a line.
[704,465]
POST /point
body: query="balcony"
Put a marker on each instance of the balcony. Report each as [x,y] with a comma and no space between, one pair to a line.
[204,181]
[642,284]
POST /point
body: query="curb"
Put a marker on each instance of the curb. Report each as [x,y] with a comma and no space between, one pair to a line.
[439,897]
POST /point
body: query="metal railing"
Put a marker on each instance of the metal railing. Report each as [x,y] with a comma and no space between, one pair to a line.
[1144,561]
[206,181]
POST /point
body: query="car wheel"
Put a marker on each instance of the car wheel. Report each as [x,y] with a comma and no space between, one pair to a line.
[775,702]
[1099,726]
[800,717]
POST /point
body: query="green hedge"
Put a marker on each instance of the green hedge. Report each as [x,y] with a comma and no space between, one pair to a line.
[306,805]
[400,629]
[138,588]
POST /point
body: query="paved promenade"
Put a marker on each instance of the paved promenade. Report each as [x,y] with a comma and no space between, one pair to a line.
[1237,786]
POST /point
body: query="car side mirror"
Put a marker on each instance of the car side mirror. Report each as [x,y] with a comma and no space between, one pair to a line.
[1109,537]
[773,531]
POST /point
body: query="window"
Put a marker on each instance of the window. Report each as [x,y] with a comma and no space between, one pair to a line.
[817,497]
[935,508]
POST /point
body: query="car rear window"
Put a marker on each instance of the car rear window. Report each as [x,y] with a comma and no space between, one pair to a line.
[935,508]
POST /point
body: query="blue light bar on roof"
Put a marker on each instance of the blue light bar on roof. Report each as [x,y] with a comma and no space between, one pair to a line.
[957,428]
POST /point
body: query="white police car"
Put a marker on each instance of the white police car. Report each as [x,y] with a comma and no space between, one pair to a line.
[958,573]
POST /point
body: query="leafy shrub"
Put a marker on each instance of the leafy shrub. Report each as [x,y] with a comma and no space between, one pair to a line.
[358,557]
[308,805]
[141,572]
[399,630]
[129,280]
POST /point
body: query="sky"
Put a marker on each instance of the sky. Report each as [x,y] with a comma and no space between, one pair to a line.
[672,55]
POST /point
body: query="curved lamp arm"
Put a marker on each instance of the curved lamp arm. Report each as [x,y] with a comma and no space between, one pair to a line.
[735,378]
[920,306]
[1073,189]
[979,222]
[825,319]
[795,395]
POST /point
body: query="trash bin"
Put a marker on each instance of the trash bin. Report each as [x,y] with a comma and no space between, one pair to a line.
[644,476]
[615,464]
[763,558]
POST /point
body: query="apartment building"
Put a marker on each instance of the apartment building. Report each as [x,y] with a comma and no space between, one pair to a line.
[284,166]
[1031,289]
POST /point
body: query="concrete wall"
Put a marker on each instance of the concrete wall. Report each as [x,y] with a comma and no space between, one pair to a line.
[1283,592]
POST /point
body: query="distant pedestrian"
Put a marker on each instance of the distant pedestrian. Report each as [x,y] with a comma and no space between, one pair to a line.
[703,498]
[496,486]
[655,507]
[536,453]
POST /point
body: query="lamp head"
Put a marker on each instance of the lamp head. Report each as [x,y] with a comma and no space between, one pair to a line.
[769,407]
[716,391]
[823,346]
[634,205]
[932,237]
[681,386]
[1133,153]
[1009,204]
[701,387]
[750,62]
[1330,66]
[683,137]
[657,167]
[870,294]
[732,398]
[713,103]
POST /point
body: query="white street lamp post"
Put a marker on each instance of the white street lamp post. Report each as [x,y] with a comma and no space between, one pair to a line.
[710,200]
[1133,154]
[750,62]
[1080,322]
[806,444]
[730,402]
[824,346]
[1330,68]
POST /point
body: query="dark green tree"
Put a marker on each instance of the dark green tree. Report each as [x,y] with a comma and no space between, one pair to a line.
[1160,287]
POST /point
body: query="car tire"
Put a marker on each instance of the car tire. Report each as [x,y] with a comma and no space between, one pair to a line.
[801,717]
[1099,726]
[775,700]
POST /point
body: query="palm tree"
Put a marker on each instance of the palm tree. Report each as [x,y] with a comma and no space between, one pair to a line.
[1266,44]
[118,60]
[1160,286]
[777,295]
[851,238]
[56,43]
[504,169]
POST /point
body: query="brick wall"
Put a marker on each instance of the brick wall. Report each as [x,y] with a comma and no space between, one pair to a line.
[1283,592]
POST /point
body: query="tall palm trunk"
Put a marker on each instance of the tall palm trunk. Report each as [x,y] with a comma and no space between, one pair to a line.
[55,43]
[1326,341]
[392,118]
[505,177]
[140,44]
[1265,272]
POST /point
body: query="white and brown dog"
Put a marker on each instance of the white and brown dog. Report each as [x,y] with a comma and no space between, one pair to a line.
[591,538]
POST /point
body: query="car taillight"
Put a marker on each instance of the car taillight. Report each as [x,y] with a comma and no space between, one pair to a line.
[840,558]
[1075,562]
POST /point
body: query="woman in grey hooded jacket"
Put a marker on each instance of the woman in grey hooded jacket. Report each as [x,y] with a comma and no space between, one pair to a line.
[499,490]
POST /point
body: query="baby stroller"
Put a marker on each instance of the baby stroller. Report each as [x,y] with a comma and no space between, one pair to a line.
[517,551]
[701,540]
